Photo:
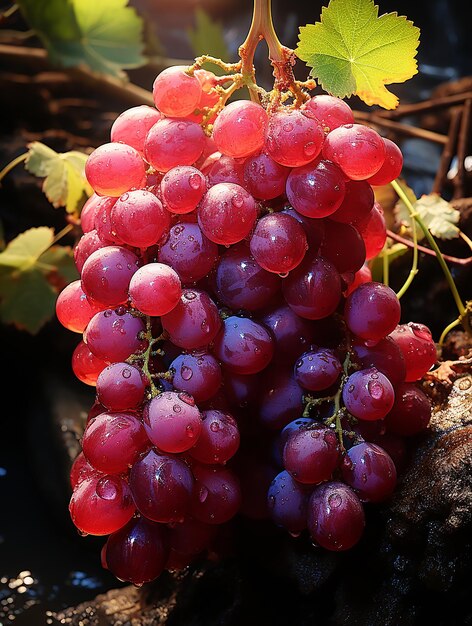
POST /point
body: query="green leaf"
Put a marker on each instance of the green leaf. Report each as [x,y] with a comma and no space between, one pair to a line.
[27,300]
[32,272]
[438,215]
[23,252]
[105,35]
[353,51]
[65,183]
[207,38]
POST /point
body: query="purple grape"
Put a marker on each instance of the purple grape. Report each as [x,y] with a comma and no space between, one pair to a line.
[138,552]
[216,496]
[293,334]
[411,411]
[197,374]
[241,283]
[336,517]
[162,487]
[113,335]
[280,399]
[172,421]
[370,471]
[219,439]
[311,455]
[385,356]
[287,501]
[194,322]
[372,311]
[243,346]
[368,394]
[317,370]
[121,386]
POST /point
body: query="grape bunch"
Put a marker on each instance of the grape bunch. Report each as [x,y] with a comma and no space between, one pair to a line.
[226,305]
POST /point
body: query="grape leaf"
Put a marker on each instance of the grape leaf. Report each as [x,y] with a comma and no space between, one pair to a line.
[207,38]
[353,51]
[104,35]
[27,300]
[64,176]
[24,251]
[32,272]
[438,215]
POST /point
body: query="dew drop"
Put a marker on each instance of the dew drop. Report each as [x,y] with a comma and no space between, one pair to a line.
[126,373]
[186,372]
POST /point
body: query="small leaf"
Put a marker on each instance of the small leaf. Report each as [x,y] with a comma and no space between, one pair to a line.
[24,251]
[353,51]
[207,38]
[104,35]
[27,300]
[65,183]
[61,260]
[438,215]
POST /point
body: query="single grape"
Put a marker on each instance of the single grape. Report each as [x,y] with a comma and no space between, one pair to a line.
[317,370]
[279,444]
[316,190]
[370,471]
[411,411]
[172,421]
[139,219]
[385,356]
[162,487]
[172,142]
[418,349]
[182,189]
[293,138]
[85,365]
[227,213]
[138,552]
[293,335]
[330,112]
[132,126]
[280,397]
[374,232]
[278,243]
[368,394]
[336,517]
[337,239]
[101,504]
[372,311]
[241,283]
[226,170]
[391,167]
[197,374]
[103,222]
[243,345]
[106,275]
[194,322]
[216,496]
[189,252]
[239,130]
[121,386]
[357,204]
[114,334]
[74,311]
[287,501]
[358,150]
[88,212]
[219,439]
[311,455]
[114,168]
[112,442]
[313,289]
[176,93]
[155,289]
[264,178]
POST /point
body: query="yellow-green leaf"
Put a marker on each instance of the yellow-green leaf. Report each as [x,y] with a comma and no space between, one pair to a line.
[354,51]
[438,215]
[65,183]
[24,251]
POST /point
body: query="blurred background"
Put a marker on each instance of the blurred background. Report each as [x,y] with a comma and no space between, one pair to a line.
[44,564]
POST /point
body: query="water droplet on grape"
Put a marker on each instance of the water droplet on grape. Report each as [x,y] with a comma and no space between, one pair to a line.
[106,488]
[203,494]
[186,372]
[176,408]
[214,427]
[126,373]
[195,181]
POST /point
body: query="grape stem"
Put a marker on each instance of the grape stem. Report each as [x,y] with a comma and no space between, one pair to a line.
[281,57]
[414,264]
[146,355]
[12,164]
